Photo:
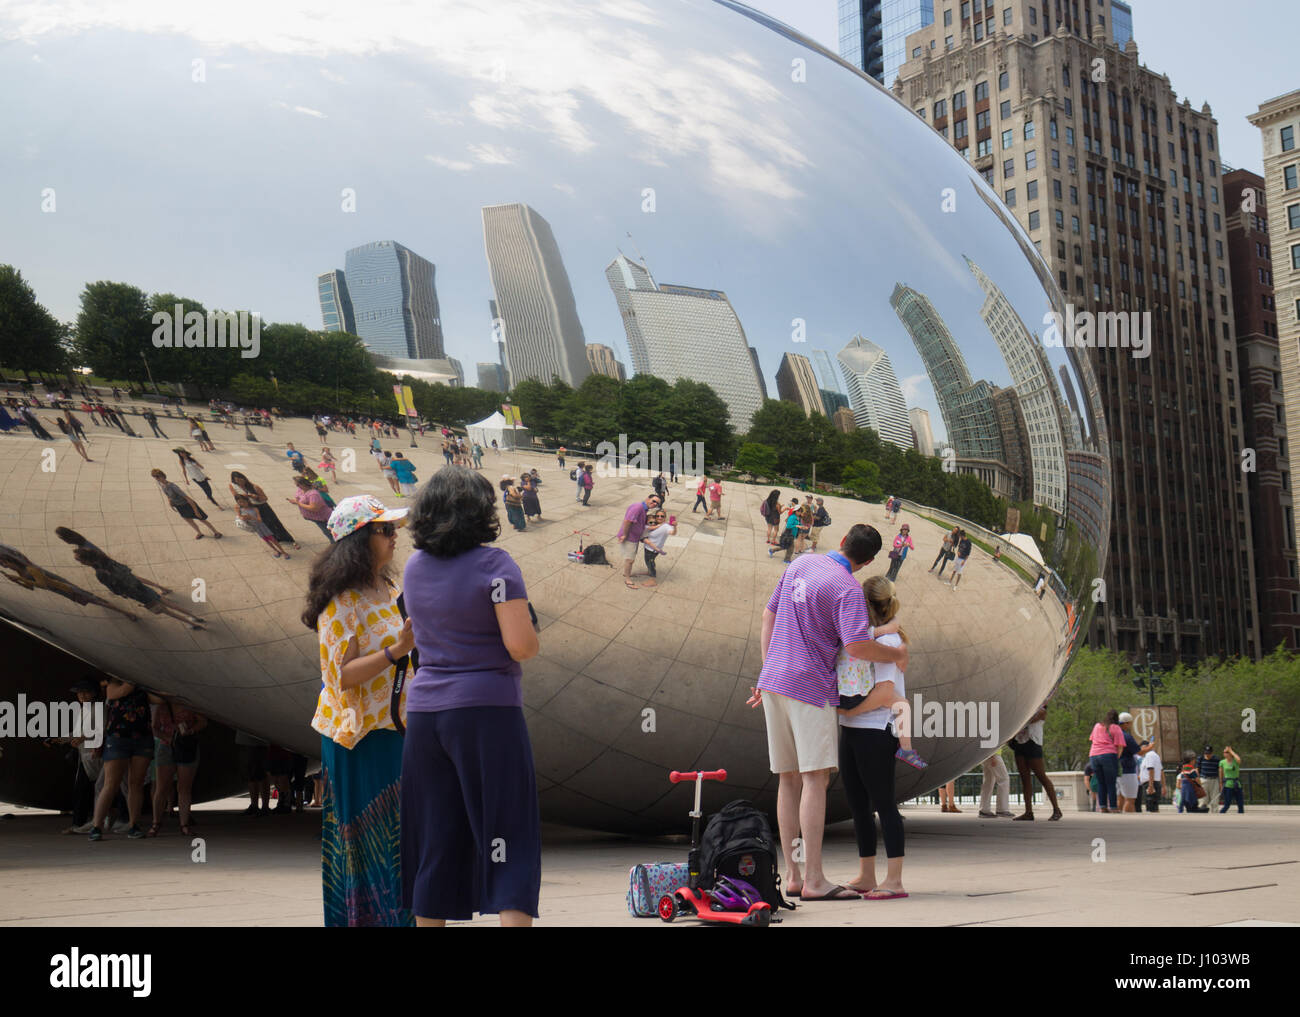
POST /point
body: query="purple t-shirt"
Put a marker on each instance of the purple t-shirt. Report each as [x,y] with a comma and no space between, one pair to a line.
[634,522]
[818,606]
[452,605]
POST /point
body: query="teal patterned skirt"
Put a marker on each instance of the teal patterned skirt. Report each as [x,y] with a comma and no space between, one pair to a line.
[361,844]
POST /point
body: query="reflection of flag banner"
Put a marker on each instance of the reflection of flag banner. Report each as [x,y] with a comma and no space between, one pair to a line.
[512,414]
[410,401]
[397,394]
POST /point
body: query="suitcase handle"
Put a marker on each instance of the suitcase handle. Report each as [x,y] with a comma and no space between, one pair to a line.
[677,778]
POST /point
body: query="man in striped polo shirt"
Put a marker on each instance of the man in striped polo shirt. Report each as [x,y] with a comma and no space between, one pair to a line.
[817,607]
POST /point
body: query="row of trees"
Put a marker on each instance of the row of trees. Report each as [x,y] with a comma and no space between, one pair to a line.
[1254,706]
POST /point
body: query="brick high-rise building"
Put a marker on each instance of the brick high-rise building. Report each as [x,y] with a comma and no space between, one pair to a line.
[796,383]
[604,361]
[1255,319]
[1117,184]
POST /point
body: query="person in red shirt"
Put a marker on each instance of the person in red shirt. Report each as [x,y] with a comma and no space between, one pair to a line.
[699,495]
[715,500]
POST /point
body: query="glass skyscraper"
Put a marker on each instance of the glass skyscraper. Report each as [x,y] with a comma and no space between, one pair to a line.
[394,301]
[1121,22]
[335,304]
[873,33]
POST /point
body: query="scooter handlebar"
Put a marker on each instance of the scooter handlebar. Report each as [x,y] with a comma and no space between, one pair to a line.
[677,777]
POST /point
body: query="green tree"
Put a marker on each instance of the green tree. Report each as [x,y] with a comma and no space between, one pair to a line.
[114,327]
[863,479]
[31,339]
[757,460]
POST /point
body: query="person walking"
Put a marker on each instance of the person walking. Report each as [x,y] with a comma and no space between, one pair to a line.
[327,463]
[478,456]
[240,484]
[715,499]
[295,457]
[352,607]
[1152,779]
[902,544]
[1027,747]
[1106,743]
[588,480]
[576,476]
[193,471]
[661,488]
[470,821]
[630,532]
[559,456]
[311,505]
[176,759]
[528,491]
[816,608]
[948,797]
[770,509]
[514,502]
[959,566]
[37,428]
[404,471]
[1230,774]
[1207,765]
[1040,584]
[151,419]
[185,506]
[868,747]
[70,433]
[200,435]
[995,776]
[699,495]
[946,551]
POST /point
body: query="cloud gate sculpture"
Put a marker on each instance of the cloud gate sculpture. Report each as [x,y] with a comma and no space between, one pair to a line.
[677,181]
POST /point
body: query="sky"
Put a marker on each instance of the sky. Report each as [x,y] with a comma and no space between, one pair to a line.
[1232,55]
[211,152]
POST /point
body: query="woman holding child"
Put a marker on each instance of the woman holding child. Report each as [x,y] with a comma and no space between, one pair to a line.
[870,695]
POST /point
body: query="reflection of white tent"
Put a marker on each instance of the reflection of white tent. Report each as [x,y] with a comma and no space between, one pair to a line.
[1025,543]
[496,427]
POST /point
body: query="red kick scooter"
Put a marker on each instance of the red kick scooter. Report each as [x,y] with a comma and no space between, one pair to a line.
[692,901]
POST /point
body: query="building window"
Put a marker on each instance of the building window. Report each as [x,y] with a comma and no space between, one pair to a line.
[984,147]
[959,129]
[1069,107]
[1051,128]
[1033,16]
[941,108]
[1056,158]
[947,42]
[1029,130]
[1009,168]
[1056,189]
[1289,177]
[1074,224]
[1293,217]
[979,30]
[1010,197]
[1004,79]
[958,102]
[1059,217]
[1004,111]
[947,18]
[1006,15]
[1074,195]
[1031,190]
[1008,138]
[965,10]
[1031,159]
[1288,138]
[1295,256]
[921,112]
[1033,225]
[981,90]
[982,120]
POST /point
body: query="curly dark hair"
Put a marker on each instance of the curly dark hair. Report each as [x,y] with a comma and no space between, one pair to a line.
[345,565]
[455,512]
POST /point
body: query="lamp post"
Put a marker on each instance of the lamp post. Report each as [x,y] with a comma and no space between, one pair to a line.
[1148,677]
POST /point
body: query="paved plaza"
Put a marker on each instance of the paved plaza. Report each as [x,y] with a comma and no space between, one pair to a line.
[1162,869]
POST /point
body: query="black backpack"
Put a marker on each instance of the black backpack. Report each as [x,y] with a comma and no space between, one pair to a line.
[595,555]
[573,474]
[738,842]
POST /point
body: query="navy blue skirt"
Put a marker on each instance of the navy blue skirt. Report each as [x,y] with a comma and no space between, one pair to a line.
[471,829]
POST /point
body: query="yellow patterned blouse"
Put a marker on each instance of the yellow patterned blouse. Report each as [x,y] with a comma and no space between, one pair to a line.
[347,715]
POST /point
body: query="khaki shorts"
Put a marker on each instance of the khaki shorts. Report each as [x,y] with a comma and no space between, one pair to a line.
[814,534]
[800,737]
[629,549]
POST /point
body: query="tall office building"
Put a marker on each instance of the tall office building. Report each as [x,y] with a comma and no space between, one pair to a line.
[844,420]
[758,370]
[1117,184]
[1255,319]
[828,382]
[601,360]
[968,416]
[1279,123]
[1015,441]
[1041,408]
[537,313]
[874,393]
[921,431]
[394,301]
[335,304]
[796,383]
[685,332]
[873,33]
[491,377]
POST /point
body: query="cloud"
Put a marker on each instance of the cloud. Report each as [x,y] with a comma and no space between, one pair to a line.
[913,386]
[568,189]
[304,110]
[492,155]
[329,75]
[455,165]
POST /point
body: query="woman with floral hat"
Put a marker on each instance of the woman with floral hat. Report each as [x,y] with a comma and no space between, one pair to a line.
[352,606]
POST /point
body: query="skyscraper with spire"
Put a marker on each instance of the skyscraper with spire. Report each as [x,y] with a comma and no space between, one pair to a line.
[874,392]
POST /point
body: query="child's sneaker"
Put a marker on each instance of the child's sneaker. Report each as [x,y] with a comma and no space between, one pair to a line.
[910,757]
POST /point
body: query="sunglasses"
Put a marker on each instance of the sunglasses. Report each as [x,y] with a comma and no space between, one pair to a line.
[384,529]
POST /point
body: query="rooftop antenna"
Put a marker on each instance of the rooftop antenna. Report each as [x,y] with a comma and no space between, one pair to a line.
[640,256]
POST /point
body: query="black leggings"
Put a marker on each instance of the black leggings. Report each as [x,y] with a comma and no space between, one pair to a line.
[867,766]
[206,487]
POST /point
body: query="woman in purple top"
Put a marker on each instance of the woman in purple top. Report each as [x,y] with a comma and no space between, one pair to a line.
[471,836]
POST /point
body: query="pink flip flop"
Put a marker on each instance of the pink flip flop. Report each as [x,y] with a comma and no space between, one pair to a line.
[886,895]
